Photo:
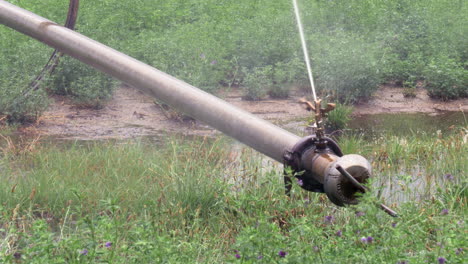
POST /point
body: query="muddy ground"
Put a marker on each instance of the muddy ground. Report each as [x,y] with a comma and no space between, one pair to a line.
[130,113]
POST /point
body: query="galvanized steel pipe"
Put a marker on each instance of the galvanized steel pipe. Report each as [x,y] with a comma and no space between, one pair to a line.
[241,125]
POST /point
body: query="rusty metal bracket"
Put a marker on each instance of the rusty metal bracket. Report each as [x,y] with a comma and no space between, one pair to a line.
[294,159]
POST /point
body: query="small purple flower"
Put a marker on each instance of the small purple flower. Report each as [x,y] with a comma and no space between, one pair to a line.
[300,182]
[202,56]
[214,62]
[260,257]
[448,177]
[441,260]
[84,252]
[108,244]
[359,214]
[316,249]
[444,212]
[339,233]
[17,255]
[394,224]
[329,219]
[370,239]
[282,253]
[364,240]
[358,232]
[238,256]
[459,251]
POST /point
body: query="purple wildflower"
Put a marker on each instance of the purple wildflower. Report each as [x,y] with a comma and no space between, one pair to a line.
[84,252]
[202,56]
[238,256]
[17,255]
[260,257]
[444,212]
[364,239]
[458,251]
[316,249]
[441,260]
[359,214]
[108,244]
[214,62]
[370,239]
[300,182]
[339,233]
[329,219]
[394,224]
[282,253]
[448,177]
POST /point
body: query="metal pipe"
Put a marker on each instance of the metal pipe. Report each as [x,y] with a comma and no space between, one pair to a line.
[241,125]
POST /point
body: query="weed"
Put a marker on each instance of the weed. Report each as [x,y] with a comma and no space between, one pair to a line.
[183,202]
[339,117]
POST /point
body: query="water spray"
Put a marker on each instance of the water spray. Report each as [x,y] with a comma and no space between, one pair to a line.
[304,48]
[340,176]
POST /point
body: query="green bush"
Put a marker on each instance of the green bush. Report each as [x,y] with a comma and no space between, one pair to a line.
[85,85]
[339,117]
[285,75]
[345,66]
[18,102]
[256,82]
[446,79]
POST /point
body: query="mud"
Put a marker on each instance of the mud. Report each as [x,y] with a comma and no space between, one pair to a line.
[390,99]
[130,113]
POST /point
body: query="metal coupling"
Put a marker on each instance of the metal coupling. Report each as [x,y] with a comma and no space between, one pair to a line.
[320,166]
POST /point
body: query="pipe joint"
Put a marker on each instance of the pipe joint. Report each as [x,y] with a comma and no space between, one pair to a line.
[320,166]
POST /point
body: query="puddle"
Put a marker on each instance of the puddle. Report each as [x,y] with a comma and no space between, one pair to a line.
[407,124]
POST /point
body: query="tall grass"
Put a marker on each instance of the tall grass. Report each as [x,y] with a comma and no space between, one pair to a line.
[200,202]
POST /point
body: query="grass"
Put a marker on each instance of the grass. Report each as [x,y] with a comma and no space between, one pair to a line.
[199,202]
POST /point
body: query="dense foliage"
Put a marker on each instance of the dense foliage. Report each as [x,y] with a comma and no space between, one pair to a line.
[354,46]
[203,202]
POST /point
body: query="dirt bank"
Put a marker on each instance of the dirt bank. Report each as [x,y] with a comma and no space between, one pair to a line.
[131,113]
[390,99]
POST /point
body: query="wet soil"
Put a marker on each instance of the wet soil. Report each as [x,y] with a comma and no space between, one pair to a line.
[131,113]
[390,99]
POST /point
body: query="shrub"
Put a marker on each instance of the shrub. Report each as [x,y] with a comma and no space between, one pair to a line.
[285,75]
[339,117]
[446,79]
[345,66]
[85,85]
[17,104]
[256,82]
[409,90]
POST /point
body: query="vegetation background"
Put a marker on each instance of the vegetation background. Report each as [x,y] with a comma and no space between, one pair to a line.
[195,201]
[354,45]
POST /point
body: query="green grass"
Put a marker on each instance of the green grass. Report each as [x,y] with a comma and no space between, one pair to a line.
[200,202]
